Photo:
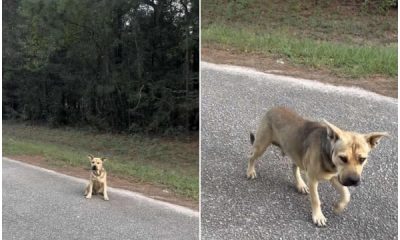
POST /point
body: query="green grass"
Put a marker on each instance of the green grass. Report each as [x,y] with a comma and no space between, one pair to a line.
[168,162]
[330,35]
[343,59]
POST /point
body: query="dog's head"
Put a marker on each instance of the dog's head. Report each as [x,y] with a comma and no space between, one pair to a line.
[96,164]
[350,152]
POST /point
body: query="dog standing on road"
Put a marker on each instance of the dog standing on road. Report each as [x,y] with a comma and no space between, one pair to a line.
[322,150]
[98,178]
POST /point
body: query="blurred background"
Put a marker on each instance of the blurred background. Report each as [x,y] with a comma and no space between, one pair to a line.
[118,79]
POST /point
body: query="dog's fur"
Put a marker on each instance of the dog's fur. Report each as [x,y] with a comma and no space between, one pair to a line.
[98,178]
[322,150]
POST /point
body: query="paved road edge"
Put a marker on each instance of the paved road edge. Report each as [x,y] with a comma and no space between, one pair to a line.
[307,83]
[176,208]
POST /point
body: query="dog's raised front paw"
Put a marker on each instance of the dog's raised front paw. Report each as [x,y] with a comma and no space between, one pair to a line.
[319,219]
[339,207]
[251,174]
[302,188]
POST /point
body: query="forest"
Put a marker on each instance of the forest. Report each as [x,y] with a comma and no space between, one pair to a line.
[127,66]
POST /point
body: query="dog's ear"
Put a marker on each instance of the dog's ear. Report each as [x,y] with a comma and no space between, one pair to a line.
[332,131]
[374,137]
[104,159]
[90,156]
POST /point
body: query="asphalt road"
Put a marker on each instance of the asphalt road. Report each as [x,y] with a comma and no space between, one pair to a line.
[40,204]
[232,103]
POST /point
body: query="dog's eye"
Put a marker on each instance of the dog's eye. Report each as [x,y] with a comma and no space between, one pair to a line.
[92,162]
[343,158]
[362,159]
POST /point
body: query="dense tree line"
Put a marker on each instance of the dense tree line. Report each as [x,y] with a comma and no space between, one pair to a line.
[128,66]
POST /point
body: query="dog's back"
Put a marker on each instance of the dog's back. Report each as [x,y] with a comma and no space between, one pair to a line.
[288,130]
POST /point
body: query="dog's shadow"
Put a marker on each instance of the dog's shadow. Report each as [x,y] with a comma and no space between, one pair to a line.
[282,189]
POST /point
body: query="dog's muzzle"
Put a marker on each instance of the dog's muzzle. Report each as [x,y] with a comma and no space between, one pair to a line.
[352,180]
[94,168]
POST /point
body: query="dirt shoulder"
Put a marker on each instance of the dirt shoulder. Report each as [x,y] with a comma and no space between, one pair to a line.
[150,190]
[378,84]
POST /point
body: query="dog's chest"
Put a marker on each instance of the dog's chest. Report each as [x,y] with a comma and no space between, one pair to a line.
[98,178]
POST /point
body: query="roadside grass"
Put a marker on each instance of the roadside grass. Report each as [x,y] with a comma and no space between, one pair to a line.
[342,59]
[330,35]
[168,162]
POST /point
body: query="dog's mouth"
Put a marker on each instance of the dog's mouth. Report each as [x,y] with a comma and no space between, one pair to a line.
[96,171]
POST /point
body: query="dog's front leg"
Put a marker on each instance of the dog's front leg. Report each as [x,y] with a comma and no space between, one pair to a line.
[89,190]
[317,215]
[105,191]
[344,195]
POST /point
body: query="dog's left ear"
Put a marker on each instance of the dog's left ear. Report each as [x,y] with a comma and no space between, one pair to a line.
[104,159]
[374,137]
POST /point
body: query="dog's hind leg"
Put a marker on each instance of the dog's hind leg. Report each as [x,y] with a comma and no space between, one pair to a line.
[101,189]
[260,143]
[257,152]
[300,184]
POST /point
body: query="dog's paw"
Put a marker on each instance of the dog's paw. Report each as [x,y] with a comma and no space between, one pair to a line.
[302,188]
[251,174]
[88,196]
[106,198]
[339,207]
[319,219]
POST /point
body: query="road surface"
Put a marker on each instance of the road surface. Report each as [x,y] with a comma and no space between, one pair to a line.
[232,104]
[41,204]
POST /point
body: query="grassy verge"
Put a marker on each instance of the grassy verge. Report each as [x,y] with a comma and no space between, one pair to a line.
[346,39]
[169,162]
[342,59]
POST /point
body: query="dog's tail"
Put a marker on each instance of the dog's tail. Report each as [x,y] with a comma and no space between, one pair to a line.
[252,138]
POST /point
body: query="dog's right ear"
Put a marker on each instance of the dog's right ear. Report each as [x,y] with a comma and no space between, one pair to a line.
[373,138]
[332,131]
[90,156]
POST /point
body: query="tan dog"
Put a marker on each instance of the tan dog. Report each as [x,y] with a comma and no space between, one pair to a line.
[98,178]
[322,150]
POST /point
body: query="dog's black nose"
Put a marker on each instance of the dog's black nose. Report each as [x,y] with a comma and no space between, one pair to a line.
[94,168]
[353,180]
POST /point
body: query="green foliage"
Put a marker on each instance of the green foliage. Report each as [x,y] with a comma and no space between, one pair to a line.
[116,65]
[331,35]
[335,21]
[378,6]
[349,60]
[236,7]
